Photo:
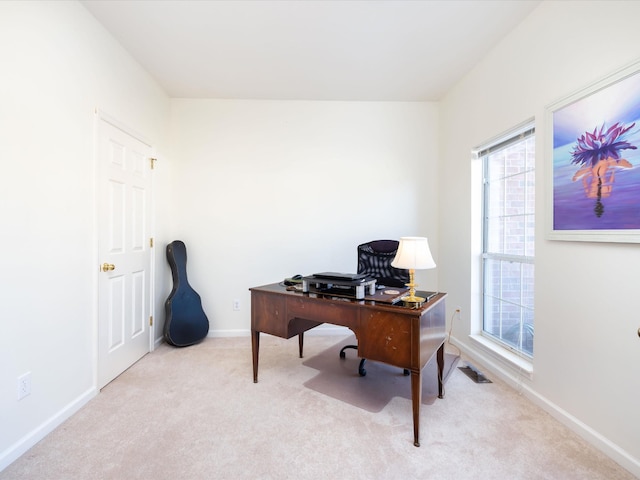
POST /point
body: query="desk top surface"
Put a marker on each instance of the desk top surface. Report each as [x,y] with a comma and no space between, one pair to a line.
[369,300]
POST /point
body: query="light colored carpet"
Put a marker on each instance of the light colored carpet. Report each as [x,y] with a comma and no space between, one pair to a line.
[195,413]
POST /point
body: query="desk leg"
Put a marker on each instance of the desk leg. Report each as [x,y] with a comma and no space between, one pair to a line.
[441,371]
[416,399]
[255,347]
[300,343]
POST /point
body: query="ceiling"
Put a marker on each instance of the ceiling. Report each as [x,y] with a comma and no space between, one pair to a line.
[370,50]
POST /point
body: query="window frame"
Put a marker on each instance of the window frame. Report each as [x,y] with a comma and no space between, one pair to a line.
[509,139]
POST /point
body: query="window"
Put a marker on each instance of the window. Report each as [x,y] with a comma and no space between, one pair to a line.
[508,241]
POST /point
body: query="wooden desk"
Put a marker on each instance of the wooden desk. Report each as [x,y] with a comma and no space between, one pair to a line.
[397,335]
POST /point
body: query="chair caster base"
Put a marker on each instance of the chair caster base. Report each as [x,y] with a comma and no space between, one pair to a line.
[361,369]
[342,354]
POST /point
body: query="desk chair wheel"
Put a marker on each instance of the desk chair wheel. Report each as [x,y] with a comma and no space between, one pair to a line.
[361,369]
[342,354]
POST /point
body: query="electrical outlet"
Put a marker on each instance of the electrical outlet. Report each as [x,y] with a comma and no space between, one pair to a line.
[236,304]
[24,385]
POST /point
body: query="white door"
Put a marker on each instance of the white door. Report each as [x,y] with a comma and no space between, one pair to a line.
[124,250]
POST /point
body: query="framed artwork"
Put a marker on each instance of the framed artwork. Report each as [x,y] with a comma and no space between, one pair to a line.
[593,157]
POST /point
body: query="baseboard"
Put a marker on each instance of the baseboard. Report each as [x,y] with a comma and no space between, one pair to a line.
[18,449]
[591,436]
[325,329]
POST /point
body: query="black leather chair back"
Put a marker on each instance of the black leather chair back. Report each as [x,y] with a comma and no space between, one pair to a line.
[374,260]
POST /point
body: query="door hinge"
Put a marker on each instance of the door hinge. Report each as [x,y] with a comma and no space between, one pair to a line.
[151,242]
[153,162]
[151,321]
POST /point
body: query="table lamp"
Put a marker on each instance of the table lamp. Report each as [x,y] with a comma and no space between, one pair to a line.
[413,254]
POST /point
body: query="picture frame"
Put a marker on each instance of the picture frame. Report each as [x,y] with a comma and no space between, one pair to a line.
[593,161]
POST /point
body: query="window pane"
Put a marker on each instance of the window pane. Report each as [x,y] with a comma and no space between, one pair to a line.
[527,332]
[530,235]
[495,199]
[511,282]
[495,166]
[492,315]
[495,234]
[514,235]
[530,152]
[508,249]
[527,285]
[530,194]
[514,197]
[492,278]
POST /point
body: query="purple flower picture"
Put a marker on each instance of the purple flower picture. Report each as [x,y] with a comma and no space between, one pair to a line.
[596,161]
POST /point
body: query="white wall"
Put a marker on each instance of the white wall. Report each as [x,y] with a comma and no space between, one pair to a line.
[58,66]
[587,351]
[268,189]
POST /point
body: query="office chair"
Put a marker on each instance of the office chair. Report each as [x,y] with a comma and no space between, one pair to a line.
[374,261]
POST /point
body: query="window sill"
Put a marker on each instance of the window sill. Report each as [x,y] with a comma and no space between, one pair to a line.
[503,356]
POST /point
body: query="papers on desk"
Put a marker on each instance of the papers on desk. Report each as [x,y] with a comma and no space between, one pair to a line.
[428,296]
[388,295]
[395,295]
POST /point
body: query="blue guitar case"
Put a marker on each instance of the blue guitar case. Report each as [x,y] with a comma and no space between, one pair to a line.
[185,322]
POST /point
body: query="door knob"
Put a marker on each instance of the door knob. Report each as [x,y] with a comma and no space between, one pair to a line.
[107,267]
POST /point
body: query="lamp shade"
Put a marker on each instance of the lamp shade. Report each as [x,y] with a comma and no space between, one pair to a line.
[413,253]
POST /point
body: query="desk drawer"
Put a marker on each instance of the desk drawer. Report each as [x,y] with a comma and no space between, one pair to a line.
[268,313]
[386,337]
[324,311]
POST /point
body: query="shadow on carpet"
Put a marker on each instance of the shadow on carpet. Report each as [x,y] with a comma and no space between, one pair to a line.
[339,378]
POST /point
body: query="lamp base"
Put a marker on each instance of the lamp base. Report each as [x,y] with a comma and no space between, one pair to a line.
[412,299]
